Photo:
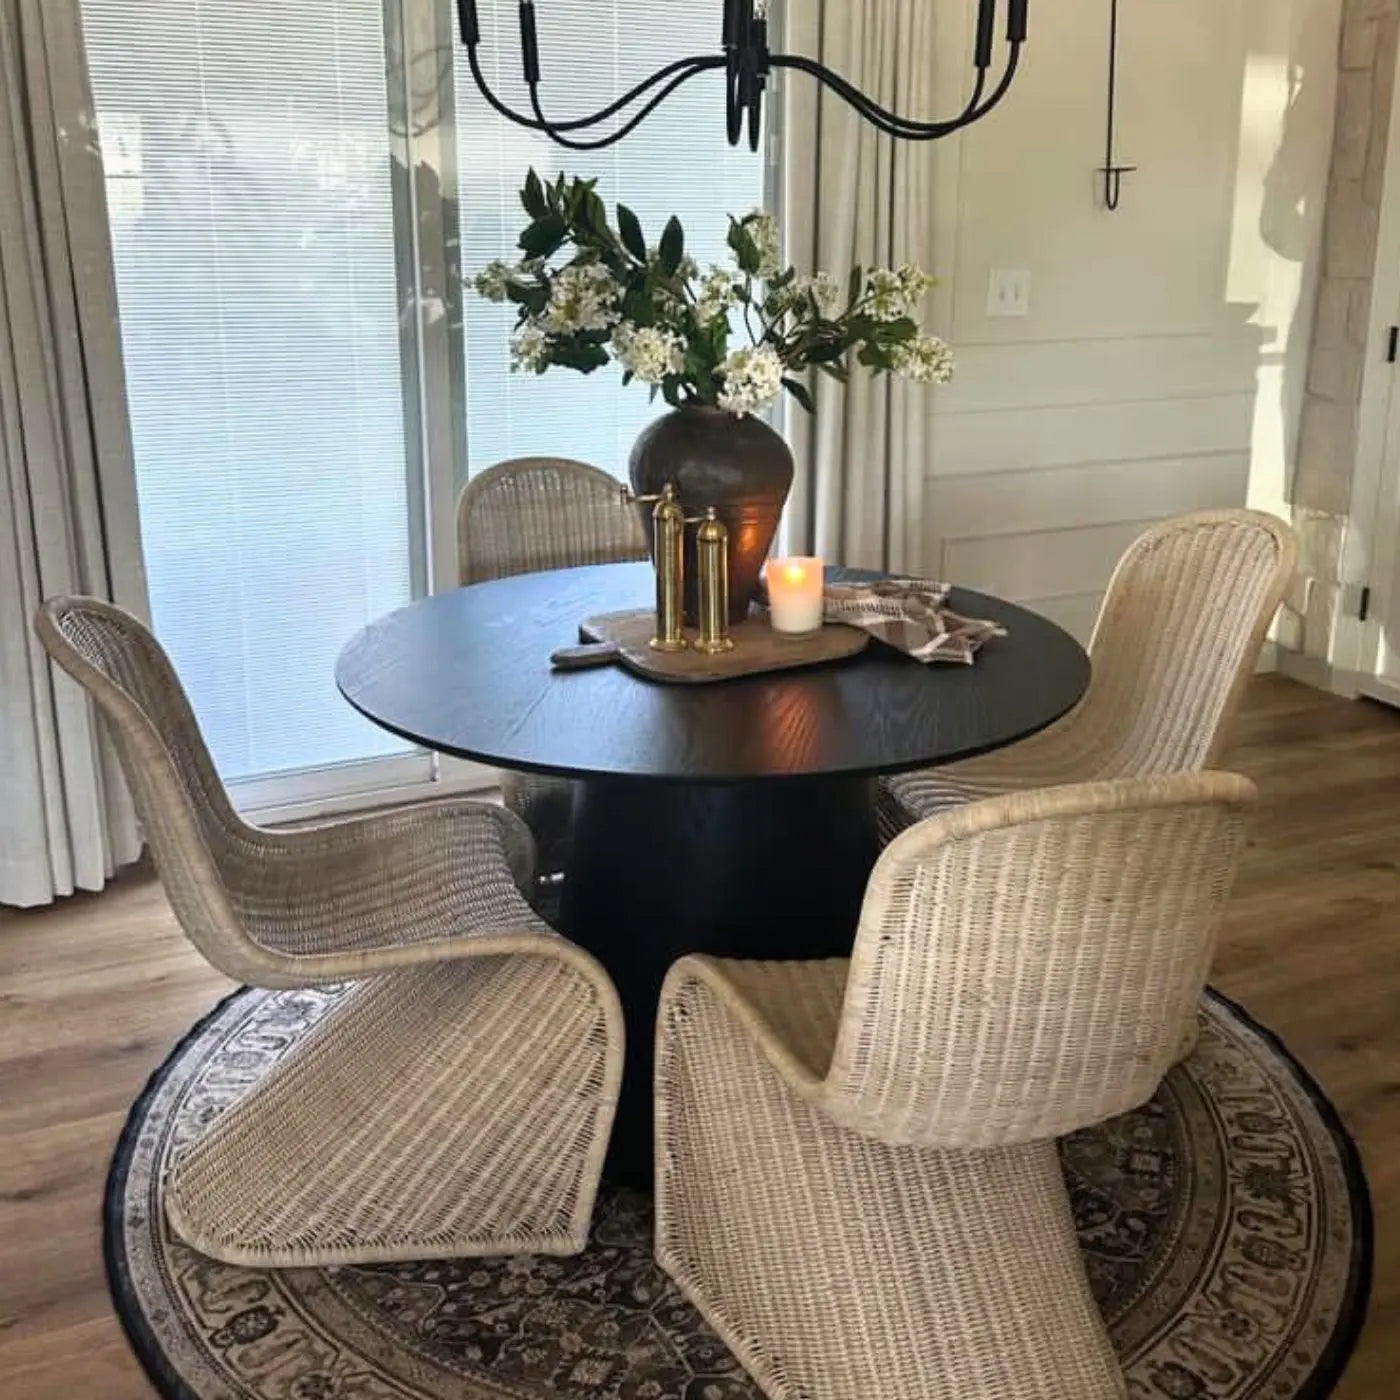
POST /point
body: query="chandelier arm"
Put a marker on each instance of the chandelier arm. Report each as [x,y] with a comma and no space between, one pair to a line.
[1013,62]
[888,122]
[579,123]
[492,100]
[550,129]
[891,123]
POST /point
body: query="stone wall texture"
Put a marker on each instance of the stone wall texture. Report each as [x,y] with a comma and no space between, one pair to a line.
[1327,431]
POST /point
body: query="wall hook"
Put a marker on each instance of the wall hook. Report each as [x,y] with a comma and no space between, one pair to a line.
[1111,170]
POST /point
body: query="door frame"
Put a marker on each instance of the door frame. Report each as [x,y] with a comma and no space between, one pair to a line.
[1370,555]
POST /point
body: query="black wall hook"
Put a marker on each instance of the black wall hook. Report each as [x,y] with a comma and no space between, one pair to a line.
[1111,170]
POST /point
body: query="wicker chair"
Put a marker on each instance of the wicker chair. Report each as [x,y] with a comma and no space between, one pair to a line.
[527,515]
[1174,647]
[458,1101]
[857,1180]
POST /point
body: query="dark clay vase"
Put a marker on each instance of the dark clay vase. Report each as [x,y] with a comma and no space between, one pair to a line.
[714,458]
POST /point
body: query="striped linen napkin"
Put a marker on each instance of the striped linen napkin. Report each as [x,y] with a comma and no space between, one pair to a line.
[908,614]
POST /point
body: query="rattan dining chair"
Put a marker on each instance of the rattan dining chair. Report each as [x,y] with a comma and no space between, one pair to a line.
[1173,649]
[856,1173]
[458,1100]
[524,516]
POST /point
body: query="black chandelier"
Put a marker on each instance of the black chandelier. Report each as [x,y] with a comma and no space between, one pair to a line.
[747,63]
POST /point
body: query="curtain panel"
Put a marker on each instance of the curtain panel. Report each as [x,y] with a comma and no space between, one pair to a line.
[852,195]
[67,482]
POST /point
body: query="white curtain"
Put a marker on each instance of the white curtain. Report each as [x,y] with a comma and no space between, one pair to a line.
[66,479]
[852,195]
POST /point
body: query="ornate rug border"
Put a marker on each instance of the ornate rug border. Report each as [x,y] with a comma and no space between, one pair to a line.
[1333,1362]
[1325,1376]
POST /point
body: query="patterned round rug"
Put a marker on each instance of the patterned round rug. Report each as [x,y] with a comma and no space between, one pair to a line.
[1226,1228]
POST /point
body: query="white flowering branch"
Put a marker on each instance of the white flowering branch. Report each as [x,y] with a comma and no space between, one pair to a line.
[654,313]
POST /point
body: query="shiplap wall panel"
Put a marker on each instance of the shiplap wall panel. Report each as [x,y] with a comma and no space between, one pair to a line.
[1041,563]
[1075,612]
[1059,498]
[1047,374]
[1016,439]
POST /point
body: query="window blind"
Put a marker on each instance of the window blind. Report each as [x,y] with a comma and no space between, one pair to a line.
[677,162]
[254,226]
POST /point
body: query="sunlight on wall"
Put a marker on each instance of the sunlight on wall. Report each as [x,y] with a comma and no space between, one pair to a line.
[1285,141]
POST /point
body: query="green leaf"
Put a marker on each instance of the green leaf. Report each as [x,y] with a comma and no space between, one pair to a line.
[699,361]
[531,297]
[672,246]
[597,213]
[838,372]
[582,355]
[637,307]
[875,357]
[631,229]
[533,197]
[824,352]
[745,249]
[899,331]
[854,285]
[799,391]
[544,237]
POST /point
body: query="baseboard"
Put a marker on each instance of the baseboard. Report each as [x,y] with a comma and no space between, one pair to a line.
[483,785]
[1321,675]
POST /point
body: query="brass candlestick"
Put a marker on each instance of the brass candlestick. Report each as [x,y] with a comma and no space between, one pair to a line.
[668,526]
[712,562]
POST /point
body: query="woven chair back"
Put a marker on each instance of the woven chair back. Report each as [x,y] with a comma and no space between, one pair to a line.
[200,844]
[1177,639]
[537,513]
[1024,965]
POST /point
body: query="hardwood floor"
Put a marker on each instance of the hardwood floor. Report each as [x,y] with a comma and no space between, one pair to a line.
[94,991]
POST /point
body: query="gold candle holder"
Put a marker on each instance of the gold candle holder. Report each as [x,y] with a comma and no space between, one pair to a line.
[712,563]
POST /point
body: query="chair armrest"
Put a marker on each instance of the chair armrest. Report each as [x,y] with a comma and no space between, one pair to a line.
[390,889]
[366,832]
[358,963]
[788,1010]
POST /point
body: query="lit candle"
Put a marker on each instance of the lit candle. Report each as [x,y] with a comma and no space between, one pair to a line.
[795,594]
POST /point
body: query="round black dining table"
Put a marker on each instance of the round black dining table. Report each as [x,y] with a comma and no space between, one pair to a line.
[734,818]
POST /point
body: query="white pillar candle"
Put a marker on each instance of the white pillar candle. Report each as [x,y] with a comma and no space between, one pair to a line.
[795,594]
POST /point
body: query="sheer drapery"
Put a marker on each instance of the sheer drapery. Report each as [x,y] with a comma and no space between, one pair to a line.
[69,519]
[852,195]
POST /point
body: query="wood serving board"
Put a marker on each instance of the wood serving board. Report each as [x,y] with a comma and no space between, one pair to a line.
[757,648]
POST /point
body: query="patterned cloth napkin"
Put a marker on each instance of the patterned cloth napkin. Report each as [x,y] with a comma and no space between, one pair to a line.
[908,613]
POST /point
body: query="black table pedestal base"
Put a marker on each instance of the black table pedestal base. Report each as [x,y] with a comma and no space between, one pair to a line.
[747,870]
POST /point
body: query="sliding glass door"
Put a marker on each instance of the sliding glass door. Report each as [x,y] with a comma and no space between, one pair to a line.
[295,193]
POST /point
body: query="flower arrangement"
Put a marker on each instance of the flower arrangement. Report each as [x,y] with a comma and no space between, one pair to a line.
[670,326]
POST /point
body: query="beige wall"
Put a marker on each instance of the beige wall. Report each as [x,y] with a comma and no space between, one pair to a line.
[1162,366]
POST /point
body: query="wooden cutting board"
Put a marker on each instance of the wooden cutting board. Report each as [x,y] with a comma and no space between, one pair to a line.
[624,638]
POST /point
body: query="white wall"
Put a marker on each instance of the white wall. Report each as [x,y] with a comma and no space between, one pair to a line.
[1160,365]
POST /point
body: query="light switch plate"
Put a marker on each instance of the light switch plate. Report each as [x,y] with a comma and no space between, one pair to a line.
[1009,292]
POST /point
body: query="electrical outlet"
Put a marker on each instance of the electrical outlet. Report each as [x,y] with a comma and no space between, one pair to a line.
[1009,292]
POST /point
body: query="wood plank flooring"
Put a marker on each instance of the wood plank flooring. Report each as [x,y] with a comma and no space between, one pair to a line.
[94,991]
